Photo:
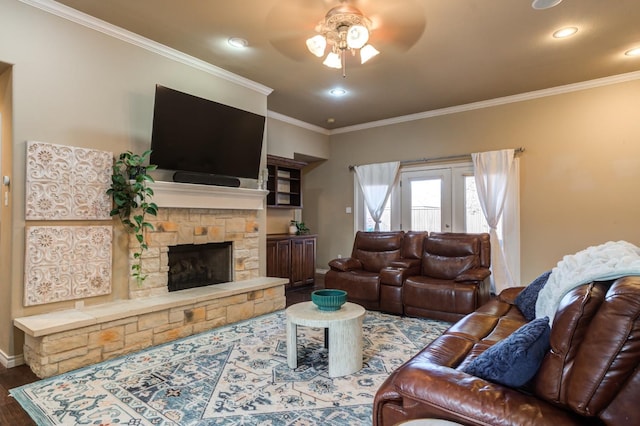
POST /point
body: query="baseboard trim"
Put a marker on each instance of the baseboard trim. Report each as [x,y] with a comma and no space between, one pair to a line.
[10,361]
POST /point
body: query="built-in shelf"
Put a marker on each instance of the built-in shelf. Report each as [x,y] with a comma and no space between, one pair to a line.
[189,195]
[284,182]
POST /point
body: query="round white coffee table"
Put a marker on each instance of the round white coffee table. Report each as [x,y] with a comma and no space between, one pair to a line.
[344,334]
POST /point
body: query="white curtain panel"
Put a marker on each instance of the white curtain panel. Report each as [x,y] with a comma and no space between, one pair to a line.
[510,225]
[376,182]
[492,170]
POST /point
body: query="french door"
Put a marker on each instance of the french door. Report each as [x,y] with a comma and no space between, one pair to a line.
[426,200]
[441,199]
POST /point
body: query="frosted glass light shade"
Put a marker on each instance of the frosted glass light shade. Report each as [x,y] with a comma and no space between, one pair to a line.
[367,52]
[333,60]
[316,45]
[357,36]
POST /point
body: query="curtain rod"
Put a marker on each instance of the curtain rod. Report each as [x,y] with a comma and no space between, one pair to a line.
[447,157]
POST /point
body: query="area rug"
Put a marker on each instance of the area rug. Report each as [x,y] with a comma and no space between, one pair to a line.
[233,375]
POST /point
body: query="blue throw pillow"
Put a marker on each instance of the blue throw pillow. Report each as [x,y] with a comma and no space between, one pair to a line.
[526,300]
[516,359]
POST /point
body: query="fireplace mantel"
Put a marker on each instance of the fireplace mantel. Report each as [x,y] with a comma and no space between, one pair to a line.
[188,195]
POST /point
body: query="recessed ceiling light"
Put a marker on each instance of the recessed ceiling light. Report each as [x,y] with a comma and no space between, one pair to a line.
[565,32]
[633,52]
[337,92]
[544,4]
[237,42]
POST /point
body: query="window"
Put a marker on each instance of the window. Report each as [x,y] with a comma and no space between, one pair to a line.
[429,198]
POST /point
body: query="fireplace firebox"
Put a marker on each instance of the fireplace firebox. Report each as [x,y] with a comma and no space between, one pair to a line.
[199,265]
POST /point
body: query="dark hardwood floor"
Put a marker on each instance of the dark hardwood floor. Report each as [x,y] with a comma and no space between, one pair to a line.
[12,414]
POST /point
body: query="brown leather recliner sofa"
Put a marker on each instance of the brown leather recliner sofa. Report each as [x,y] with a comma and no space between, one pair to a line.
[359,274]
[590,375]
[438,275]
[453,279]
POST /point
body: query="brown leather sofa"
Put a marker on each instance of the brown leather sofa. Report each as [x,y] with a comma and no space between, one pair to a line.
[359,274]
[590,375]
[454,277]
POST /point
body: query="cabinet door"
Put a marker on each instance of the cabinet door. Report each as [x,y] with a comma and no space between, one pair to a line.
[278,255]
[303,261]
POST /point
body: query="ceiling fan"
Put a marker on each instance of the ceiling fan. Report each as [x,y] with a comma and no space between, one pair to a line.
[394,25]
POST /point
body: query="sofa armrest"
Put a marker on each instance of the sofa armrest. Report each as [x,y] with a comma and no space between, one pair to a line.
[345,264]
[399,270]
[430,390]
[407,264]
[475,274]
[508,295]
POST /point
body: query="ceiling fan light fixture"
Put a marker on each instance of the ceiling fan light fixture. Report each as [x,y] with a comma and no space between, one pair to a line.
[343,28]
[357,36]
[333,60]
[367,52]
[316,45]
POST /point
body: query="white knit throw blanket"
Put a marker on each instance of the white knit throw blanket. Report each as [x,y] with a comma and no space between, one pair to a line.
[607,261]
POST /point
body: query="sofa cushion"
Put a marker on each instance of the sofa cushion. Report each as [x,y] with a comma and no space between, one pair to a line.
[516,359]
[446,257]
[526,299]
[376,250]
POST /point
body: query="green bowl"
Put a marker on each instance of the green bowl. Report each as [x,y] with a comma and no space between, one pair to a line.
[329,299]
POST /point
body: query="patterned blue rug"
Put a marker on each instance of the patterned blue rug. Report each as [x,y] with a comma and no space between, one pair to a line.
[233,375]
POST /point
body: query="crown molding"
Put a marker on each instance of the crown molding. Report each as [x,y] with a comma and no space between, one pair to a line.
[296,122]
[88,21]
[558,90]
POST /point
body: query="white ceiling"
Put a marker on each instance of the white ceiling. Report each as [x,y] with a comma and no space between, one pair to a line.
[434,53]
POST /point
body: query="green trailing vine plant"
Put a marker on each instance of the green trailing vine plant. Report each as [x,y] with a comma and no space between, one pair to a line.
[132,196]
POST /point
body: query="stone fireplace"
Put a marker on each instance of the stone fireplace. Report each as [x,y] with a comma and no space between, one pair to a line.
[199,215]
[177,227]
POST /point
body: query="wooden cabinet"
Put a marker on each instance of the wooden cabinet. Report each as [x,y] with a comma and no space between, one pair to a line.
[284,182]
[292,257]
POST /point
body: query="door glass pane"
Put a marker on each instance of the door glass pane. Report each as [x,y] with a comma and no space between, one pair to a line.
[426,205]
[474,218]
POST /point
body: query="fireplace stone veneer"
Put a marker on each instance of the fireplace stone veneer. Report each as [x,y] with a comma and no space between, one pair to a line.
[177,226]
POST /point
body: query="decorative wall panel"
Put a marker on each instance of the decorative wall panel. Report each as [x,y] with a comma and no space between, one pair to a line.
[66,263]
[67,183]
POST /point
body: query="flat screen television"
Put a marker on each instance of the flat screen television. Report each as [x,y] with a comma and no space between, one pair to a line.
[204,138]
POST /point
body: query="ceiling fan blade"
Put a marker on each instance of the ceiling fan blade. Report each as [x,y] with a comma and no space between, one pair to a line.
[291,22]
[400,23]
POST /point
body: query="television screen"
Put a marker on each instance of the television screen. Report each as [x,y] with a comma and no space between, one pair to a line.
[193,134]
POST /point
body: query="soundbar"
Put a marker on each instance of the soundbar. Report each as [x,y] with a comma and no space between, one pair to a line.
[206,179]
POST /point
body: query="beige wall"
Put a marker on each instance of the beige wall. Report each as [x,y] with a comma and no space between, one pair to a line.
[5,211]
[75,86]
[288,140]
[579,173]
